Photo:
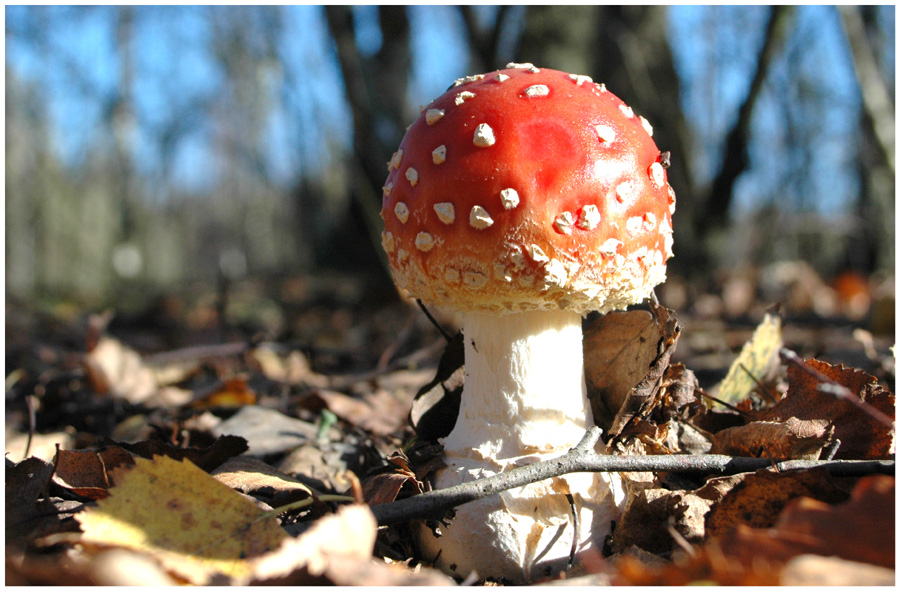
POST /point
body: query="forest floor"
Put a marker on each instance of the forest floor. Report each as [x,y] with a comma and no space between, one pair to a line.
[152,447]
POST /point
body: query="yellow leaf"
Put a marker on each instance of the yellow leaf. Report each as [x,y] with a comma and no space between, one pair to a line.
[194,525]
[756,359]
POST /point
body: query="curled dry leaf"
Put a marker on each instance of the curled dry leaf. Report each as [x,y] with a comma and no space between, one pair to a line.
[206,458]
[386,486]
[651,514]
[860,529]
[791,439]
[648,392]
[759,498]
[254,477]
[861,435]
[88,472]
[26,483]
[619,348]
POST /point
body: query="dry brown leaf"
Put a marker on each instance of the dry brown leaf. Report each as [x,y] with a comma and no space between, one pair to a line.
[119,371]
[759,498]
[380,413]
[791,439]
[26,483]
[231,393]
[385,487]
[252,476]
[618,350]
[860,529]
[650,515]
[861,435]
[88,472]
[206,458]
[650,390]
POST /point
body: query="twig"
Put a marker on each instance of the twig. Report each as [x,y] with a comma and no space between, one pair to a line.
[582,458]
[437,325]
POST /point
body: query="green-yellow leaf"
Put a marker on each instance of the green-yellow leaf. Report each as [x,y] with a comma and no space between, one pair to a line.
[754,362]
[194,525]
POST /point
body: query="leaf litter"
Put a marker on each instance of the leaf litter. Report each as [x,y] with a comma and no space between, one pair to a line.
[249,464]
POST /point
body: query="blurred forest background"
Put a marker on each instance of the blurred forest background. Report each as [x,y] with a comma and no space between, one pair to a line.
[162,157]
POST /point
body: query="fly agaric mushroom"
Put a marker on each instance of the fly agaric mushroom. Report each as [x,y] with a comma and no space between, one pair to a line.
[525,198]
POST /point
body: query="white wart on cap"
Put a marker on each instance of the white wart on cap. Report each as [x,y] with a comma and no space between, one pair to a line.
[528,189]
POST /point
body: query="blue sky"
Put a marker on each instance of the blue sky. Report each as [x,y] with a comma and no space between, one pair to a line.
[174,53]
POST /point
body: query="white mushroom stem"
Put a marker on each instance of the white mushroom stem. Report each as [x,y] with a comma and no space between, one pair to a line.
[524,392]
[523,401]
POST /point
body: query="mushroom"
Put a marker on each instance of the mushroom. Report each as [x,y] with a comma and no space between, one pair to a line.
[548,201]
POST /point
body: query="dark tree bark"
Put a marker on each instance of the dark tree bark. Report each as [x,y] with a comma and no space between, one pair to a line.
[717,202]
[485,42]
[376,90]
[874,249]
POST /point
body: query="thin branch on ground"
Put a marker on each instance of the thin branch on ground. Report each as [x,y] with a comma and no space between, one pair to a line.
[583,458]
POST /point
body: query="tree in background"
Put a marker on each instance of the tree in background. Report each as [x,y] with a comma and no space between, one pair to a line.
[287,116]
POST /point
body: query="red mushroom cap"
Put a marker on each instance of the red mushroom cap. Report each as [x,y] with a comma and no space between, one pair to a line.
[528,189]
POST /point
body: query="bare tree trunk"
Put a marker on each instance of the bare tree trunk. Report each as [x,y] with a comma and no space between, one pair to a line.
[375,102]
[485,42]
[717,202]
[876,98]
[876,205]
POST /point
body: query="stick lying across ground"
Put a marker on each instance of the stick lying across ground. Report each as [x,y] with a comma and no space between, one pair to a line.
[583,458]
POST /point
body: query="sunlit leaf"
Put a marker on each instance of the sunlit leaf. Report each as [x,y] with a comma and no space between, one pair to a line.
[753,363]
[195,525]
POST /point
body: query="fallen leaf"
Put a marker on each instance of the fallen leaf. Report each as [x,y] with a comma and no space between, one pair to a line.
[860,529]
[118,371]
[194,525]
[26,483]
[231,393]
[648,392]
[618,350]
[252,476]
[266,430]
[756,364]
[386,486]
[651,514]
[791,439]
[861,435]
[758,499]
[206,458]
[88,472]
